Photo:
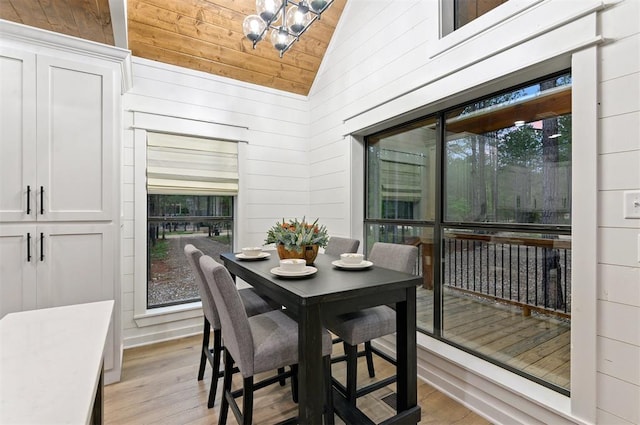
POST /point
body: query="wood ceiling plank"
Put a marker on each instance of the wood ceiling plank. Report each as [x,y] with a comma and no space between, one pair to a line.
[172,42]
[60,16]
[90,22]
[217,68]
[192,28]
[231,13]
[216,22]
[30,13]
[104,13]
[321,30]
[165,20]
[8,12]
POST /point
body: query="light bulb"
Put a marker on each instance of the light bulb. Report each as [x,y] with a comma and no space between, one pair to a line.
[267,9]
[280,38]
[297,19]
[253,26]
[318,5]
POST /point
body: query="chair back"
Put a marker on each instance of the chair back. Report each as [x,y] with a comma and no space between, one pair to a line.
[393,256]
[236,330]
[193,255]
[338,245]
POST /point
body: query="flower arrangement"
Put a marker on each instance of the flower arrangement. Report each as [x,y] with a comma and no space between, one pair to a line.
[296,234]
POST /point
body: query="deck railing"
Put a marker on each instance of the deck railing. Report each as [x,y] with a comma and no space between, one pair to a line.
[532,273]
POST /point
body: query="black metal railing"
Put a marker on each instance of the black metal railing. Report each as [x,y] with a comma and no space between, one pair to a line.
[532,273]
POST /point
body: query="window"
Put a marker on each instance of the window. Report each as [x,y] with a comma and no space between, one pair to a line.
[457,13]
[466,11]
[486,188]
[190,187]
[177,220]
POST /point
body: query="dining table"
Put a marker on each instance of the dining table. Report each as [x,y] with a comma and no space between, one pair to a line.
[327,289]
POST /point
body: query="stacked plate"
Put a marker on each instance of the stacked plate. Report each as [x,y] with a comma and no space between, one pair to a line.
[307,271]
[352,266]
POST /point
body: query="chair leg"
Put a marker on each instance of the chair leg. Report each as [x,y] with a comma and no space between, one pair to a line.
[294,382]
[369,355]
[247,401]
[226,388]
[283,381]
[205,348]
[352,372]
[217,348]
[329,416]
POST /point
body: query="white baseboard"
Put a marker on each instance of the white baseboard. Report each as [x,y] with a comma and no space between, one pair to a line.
[162,335]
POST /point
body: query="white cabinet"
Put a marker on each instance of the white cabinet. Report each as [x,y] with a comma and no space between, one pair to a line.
[56,130]
[17,269]
[59,176]
[17,135]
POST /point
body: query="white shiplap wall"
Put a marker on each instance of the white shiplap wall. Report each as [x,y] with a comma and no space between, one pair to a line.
[618,321]
[304,157]
[386,59]
[272,129]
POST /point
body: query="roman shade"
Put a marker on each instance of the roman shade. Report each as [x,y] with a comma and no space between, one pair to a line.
[181,165]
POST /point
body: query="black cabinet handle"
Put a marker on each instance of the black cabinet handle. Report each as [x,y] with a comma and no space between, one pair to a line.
[41,246]
[28,247]
[41,200]
[28,199]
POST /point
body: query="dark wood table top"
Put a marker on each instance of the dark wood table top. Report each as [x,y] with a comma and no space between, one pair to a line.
[329,285]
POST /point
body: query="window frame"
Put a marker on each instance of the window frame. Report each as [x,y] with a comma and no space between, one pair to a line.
[440,221]
[135,249]
[481,24]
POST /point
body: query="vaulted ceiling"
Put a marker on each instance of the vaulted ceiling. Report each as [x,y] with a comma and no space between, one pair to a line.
[205,35]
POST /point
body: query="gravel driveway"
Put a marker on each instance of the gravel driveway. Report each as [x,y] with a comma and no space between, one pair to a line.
[172,279]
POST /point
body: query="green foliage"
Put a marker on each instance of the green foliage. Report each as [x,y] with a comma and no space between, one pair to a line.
[160,251]
[458,209]
[296,234]
[521,147]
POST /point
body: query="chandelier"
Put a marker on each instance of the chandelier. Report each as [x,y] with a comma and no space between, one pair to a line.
[287,19]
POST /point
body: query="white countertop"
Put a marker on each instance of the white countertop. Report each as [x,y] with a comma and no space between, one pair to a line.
[50,363]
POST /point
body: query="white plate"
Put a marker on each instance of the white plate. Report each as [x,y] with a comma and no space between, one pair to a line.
[308,270]
[363,265]
[260,256]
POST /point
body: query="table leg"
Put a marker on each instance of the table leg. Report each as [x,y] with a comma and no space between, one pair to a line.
[310,379]
[406,352]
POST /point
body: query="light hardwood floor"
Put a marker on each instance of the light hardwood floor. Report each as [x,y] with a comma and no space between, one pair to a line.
[159,386]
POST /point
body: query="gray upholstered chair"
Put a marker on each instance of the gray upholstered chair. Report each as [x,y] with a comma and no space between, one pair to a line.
[364,325]
[256,344]
[253,304]
[338,245]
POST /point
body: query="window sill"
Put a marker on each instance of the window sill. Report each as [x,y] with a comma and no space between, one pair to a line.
[172,313]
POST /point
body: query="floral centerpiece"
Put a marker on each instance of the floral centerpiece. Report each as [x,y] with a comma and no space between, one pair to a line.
[298,239]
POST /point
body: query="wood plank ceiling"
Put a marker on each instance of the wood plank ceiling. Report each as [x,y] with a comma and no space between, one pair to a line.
[205,35]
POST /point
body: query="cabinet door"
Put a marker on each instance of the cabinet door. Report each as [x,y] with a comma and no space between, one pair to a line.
[17,135]
[17,268]
[75,264]
[75,144]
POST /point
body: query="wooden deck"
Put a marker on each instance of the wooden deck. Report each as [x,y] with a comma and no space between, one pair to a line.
[538,345]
